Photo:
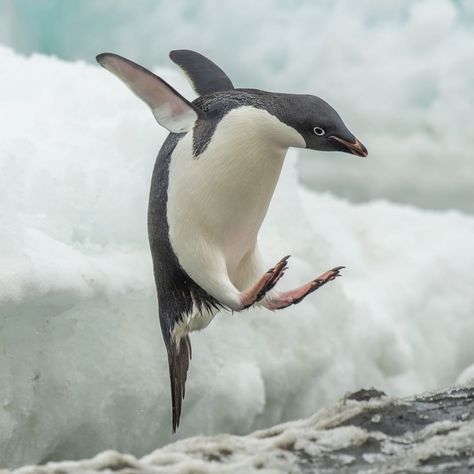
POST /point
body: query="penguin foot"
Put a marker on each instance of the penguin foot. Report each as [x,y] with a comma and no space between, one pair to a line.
[264,284]
[287,298]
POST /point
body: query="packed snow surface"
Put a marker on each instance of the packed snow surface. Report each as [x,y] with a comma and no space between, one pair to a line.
[400,73]
[365,433]
[82,363]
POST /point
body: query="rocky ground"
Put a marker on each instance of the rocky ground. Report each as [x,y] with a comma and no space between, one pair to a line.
[365,432]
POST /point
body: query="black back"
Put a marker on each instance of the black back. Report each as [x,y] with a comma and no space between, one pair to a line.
[175,289]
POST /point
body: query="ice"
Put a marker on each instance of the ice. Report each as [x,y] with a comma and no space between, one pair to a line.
[400,73]
[82,363]
[467,375]
[336,439]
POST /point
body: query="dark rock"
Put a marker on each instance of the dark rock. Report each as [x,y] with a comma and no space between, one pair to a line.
[366,432]
[366,394]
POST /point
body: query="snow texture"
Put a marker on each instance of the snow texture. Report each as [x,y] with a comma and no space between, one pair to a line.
[400,73]
[82,363]
[364,433]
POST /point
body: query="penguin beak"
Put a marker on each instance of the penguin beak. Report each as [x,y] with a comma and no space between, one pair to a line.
[355,148]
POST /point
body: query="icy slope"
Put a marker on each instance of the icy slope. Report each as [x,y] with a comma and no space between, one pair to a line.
[82,363]
[364,433]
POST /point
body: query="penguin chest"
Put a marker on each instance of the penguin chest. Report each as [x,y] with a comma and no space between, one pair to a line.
[219,199]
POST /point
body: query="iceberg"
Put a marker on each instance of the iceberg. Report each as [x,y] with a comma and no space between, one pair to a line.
[82,363]
[399,72]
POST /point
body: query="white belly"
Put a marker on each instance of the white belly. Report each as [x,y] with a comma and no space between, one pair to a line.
[217,202]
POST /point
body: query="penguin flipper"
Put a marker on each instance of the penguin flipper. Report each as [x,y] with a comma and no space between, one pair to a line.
[206,77]
[170,108]
[178,359]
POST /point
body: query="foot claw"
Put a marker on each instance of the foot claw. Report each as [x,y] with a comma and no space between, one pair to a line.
[275,274]
[330,275]
[281,264]
[289,298]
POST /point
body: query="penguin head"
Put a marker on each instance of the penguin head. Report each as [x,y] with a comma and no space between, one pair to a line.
[321,126]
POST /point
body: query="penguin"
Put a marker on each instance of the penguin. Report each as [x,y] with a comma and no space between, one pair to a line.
[212,183]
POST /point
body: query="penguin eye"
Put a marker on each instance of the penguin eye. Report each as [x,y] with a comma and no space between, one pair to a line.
[319,131]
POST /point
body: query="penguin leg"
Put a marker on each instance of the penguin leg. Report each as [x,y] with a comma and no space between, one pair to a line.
[265,283]
[235,292]
[284,299]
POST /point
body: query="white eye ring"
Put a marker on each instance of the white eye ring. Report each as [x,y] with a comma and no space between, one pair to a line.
[319,131]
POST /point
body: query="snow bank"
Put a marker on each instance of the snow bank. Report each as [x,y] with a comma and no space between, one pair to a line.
[82,363]
[364,433]
[399,72]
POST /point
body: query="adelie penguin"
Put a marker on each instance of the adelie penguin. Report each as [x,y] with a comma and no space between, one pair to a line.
[212,184]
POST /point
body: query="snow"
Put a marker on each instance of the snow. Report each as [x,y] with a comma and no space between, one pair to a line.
[466,376]
[399,72]
[320,443]
[82,363]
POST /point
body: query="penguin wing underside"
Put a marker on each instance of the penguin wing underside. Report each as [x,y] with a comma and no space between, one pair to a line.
[206,77]
[170,109]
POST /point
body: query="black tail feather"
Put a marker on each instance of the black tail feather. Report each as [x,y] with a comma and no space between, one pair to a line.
[178,358]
